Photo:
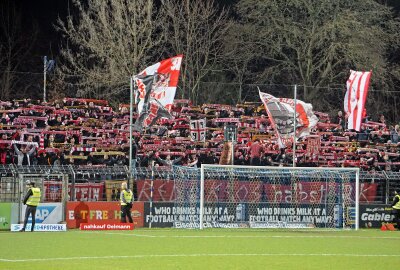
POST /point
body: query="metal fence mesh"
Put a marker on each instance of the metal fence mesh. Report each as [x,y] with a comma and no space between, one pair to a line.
[103,183]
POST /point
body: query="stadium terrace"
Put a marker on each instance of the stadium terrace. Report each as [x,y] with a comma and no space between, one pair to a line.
[90,132]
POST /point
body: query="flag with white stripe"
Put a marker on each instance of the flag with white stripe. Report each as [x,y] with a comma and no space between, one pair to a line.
[356,95]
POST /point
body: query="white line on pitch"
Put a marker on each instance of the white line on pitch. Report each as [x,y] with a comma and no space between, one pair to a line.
[199,255]
[250,236]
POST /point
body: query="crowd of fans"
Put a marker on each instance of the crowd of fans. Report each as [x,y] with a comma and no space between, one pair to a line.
[90,132]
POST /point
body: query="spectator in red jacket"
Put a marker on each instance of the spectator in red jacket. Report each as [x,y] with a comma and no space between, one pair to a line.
[4,148]
[256,150]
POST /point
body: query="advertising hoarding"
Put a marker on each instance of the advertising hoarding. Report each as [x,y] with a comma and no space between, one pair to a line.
[8,215]
[260,215]
[46,213]
[100,213]
[373,215]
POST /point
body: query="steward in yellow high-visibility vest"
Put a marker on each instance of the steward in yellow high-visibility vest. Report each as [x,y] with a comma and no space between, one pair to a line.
[126,199]
[32,200]
[396,209]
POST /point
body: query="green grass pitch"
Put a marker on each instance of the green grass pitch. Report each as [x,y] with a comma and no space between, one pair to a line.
[206,250]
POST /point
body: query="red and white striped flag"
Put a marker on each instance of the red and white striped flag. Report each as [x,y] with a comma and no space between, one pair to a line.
[356,95]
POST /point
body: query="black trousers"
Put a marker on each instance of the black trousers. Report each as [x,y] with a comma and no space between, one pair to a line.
[255,161]
[30,210]
[396,213]
[126,212]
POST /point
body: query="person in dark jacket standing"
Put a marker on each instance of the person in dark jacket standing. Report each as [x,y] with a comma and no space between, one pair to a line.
[31,199]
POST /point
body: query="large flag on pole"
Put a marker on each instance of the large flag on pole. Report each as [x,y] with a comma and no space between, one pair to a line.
[356,95]
[155,91]
[281,113]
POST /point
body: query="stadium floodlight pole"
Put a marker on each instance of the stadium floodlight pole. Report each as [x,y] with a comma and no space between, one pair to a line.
[130,130]
[294,125]
[44,77]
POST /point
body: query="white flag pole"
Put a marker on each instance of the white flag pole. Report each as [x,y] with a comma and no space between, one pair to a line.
[130,128]
[294,125]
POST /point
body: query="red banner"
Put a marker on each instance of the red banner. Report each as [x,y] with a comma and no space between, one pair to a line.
[316,192]
[300,192]
[240,191]
[100,213]
[368,192]
[163,190]
[106,227]
[248,191]
[83,191]
[313,145]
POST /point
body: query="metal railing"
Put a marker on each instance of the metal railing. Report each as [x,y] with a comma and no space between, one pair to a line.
[380,184]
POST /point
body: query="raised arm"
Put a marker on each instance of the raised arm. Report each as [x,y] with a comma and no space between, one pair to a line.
[17,150]
[32,150]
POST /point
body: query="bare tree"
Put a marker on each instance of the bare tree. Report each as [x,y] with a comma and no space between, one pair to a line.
[107,42]
[315,43]
[239,54]
[195,28]
[15,46]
